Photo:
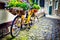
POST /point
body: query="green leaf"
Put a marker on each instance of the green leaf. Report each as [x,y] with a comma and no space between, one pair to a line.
[36,6]
[15,3]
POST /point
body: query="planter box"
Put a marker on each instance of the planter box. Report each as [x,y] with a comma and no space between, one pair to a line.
[16,11]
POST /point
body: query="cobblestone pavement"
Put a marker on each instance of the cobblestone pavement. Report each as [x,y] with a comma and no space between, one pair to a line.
[45,29]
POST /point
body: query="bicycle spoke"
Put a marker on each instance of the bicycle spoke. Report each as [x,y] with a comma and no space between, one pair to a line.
[15,28]
[16,31]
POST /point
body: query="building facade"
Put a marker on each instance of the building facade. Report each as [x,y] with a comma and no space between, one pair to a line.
[59,8]
[52,7]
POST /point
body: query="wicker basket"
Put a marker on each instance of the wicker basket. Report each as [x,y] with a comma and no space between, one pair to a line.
[17,12]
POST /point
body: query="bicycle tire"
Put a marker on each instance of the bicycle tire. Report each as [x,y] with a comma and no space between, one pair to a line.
[14,35]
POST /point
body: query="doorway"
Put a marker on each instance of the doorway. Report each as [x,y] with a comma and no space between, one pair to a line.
[42,3]
[50,7]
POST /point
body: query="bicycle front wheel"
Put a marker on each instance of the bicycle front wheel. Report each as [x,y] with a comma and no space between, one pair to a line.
[16,26]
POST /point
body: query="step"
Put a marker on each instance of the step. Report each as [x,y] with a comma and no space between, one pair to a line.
[52,16]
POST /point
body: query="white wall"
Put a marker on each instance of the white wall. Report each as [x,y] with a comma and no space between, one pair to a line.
[5,16]
[47,7]
[3,0]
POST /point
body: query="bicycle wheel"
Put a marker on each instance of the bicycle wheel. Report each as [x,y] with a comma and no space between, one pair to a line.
[16,26]
[36,19]
[28,27]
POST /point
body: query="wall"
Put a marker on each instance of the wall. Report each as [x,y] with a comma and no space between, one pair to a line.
[59,8]
[5,16]
[54,11]
[46,7]
[3,0]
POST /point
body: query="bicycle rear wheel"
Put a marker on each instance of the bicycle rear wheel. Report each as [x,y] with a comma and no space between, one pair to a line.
[16,26]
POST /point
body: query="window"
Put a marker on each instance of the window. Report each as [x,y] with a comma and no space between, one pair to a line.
[35,1]
[56,5]
[42,3]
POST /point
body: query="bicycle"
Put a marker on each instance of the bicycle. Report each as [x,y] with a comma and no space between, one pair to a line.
[21,21]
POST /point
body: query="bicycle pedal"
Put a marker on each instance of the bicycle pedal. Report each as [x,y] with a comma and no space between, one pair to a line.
[25,24]
[31,24]
[18,27]
[27,29]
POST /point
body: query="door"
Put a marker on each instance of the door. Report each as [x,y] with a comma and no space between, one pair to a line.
[50,7]
[50,10]
[42,3]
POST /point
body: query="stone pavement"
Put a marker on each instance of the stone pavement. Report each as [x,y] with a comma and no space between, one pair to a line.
[45,29]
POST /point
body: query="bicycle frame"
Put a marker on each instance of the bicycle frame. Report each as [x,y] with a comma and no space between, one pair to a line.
[30,13]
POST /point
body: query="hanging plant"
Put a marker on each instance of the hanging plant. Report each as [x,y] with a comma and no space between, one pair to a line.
[31,2]
[36,6]
[12,3]
[15,3]
[24,6]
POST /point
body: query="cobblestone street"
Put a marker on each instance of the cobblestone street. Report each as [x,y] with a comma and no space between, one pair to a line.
[45,29]
[17,15]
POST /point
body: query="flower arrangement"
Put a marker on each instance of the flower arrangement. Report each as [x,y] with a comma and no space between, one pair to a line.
[15,3]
